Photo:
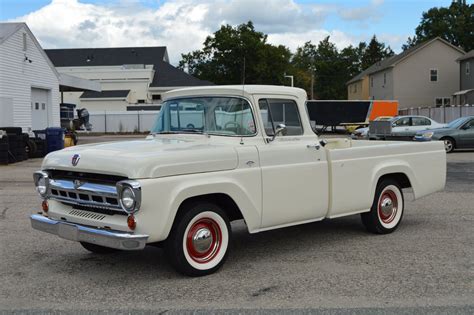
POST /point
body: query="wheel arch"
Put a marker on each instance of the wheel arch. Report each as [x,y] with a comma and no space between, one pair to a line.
[401,173]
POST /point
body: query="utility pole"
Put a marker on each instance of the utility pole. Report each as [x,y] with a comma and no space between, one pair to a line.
[289,76]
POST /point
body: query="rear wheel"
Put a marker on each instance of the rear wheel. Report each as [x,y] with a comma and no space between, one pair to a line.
[449,144]
[387,209]
[199,240]
[97,249]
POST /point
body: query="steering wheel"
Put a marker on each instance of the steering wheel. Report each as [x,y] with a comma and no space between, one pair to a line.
[232,125]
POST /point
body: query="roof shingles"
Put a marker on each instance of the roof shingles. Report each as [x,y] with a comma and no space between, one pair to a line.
[165,74]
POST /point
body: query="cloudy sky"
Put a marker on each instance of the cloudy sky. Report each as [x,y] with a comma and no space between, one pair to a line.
[182,25]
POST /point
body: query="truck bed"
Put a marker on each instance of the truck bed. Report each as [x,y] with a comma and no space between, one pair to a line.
[356,166]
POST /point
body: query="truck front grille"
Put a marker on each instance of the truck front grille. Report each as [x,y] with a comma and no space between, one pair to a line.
[87,195]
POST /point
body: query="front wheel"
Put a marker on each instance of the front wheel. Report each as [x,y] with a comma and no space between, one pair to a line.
[199,240]
[387,209]
[449,144]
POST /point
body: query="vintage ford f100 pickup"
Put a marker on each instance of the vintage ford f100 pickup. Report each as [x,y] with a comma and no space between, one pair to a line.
[223,153]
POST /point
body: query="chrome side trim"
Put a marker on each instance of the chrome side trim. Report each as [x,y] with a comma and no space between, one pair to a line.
[81,233]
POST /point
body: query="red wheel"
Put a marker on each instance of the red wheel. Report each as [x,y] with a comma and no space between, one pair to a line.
[203,241]
[387,207]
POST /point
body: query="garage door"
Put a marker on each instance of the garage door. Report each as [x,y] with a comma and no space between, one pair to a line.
[39,108]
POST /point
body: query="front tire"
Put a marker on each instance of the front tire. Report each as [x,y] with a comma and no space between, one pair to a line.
[199,240]
[449,144]
[387,209]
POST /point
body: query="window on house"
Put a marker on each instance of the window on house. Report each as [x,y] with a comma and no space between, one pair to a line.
[433,75]
[384,79]
[468,68]
[43,106]
[37,106]
[24,41]
[439,101]
[156,97]
[446,101]
[141,101]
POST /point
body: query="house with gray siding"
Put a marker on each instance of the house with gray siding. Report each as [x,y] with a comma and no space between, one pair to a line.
[465,95]
[425,75]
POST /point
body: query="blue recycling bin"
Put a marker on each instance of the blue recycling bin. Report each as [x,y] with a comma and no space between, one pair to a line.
[54,139]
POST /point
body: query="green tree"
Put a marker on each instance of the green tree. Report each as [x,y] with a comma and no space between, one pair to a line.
[330,67]
[374,52]
[454,24]
[235,55]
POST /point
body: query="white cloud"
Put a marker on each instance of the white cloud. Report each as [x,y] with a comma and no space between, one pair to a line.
[181,25]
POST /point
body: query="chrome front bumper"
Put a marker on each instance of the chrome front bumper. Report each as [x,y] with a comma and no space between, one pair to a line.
[81,233]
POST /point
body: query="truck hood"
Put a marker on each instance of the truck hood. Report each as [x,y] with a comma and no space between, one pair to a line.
[147,158]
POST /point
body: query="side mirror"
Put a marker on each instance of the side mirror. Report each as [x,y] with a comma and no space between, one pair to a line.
[281,129]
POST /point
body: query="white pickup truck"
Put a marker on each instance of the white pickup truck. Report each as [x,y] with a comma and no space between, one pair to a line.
[223,153]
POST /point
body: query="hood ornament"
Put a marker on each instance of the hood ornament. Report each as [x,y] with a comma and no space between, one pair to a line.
[75,159]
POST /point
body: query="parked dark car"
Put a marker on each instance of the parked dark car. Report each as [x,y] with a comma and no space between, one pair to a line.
[458,134]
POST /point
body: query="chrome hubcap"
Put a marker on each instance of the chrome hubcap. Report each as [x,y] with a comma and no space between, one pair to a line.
[386,207]
[202,240]
[448,145]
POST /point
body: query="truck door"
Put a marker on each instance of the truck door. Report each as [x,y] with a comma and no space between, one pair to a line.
[294,168]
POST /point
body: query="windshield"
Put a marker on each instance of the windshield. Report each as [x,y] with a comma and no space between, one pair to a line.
[457,122]
[225,116]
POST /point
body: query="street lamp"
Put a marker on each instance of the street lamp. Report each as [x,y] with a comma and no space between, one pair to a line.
[289,76]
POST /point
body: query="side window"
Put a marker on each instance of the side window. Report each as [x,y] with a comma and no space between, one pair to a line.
[420,121]
[278,111]
[470,124]
[402,122]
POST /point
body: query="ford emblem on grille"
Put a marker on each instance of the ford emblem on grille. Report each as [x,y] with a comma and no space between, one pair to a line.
[75,159]
[77,183]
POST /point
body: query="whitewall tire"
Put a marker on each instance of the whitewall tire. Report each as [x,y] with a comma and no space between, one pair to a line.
[387,208]
[199,241]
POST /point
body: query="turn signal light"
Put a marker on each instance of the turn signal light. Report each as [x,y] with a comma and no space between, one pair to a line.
[132,224]
[45,205]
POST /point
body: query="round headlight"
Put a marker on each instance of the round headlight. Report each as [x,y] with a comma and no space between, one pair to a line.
[130,195]
[41,186]
[128,198]
[41,183]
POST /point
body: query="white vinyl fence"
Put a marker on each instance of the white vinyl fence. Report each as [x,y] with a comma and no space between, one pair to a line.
[440,114]
[129,121]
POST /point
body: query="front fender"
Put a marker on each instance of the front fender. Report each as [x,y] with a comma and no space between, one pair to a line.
[162,198]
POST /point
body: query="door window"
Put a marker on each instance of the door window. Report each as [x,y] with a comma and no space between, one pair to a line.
[402,122]
[469,125]
[37,106]
[279,111]
[420,121]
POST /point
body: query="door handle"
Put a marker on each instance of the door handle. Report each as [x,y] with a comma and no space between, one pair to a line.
[316,146]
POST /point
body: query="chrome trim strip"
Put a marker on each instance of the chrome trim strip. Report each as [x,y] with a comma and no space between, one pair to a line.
[98,189]
[89,189]
[81,233]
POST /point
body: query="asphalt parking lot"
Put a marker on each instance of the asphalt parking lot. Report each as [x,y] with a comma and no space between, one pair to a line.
[334,266]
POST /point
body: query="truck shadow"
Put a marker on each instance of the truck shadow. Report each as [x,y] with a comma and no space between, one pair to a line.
[297,243]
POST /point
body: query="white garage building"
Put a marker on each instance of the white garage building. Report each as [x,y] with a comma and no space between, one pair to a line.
[29,83]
